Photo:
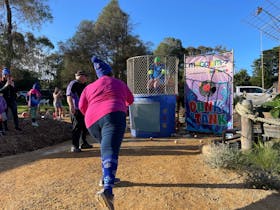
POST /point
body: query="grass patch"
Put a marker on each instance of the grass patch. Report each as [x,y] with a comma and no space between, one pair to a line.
[24,108]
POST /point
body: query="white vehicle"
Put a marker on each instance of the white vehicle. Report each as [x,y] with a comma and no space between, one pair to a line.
[256,94]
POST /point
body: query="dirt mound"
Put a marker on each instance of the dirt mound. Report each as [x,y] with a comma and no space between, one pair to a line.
[49,132]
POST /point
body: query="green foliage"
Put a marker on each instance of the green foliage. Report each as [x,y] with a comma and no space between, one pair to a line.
[113,32]
[22,108]
[261,164]
[241,78]
[274,107]
[170,46]
[264,157]
[30,12]
[109,37]
[270,67]
[24,79]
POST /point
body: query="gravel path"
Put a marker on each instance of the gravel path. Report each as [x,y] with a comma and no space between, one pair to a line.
[159,174]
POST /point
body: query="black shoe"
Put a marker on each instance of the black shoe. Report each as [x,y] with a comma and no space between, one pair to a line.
[105,199]
[75,149]
[101,181]
[18,128]
[86,146]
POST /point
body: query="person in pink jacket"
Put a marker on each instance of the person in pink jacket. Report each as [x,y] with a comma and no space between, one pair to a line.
[105,103]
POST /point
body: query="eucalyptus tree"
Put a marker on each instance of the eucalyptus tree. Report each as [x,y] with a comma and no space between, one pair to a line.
[270,68]
[241,78]
[115,40]
[170,46]
[109,38]
[30,12]
[77,51]
[34,55]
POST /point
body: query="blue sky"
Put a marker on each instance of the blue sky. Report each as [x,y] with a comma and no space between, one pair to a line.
[195,23]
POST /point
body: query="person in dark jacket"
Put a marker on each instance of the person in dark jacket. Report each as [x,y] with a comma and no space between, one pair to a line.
[79,130]
[7,87]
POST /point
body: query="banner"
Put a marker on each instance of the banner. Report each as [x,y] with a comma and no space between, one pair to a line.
[209,92]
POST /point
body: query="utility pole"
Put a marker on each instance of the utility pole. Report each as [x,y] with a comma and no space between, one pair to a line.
[262,59]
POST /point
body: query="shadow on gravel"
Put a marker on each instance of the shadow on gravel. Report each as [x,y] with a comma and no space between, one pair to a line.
[160,150]
[135,151]
[62,151]
[266,203]
[194,185]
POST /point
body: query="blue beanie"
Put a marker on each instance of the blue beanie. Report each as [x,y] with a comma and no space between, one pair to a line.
[100,67]
[6,71]
[36,86]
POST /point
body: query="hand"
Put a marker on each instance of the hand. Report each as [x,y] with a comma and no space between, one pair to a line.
[9,82]
[72,109]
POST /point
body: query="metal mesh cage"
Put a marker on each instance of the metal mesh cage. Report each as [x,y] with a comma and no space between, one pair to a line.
[144,77]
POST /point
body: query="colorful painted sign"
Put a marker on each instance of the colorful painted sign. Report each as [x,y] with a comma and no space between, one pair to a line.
[209,92]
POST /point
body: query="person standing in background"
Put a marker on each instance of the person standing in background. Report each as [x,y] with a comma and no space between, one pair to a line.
[57,103]
[33,100]
[7,87]
[104,104]
[79,130]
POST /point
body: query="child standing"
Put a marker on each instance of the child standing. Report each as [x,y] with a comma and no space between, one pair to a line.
[57,103]
[33,100]
[3,116]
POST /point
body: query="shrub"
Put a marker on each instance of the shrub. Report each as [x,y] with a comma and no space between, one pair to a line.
[265,156]
[223,156]
[261,165]
[273,106]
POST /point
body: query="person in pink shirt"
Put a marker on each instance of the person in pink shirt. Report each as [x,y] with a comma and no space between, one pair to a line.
[104,103]
[33,99]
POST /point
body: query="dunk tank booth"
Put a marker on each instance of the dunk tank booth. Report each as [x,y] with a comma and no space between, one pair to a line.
[209,92]
[153,112]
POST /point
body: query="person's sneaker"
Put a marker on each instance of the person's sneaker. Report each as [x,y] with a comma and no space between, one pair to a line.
[2,133]
[101,181]
[86,146]
[18,129]
[35,124]
[105,199]
[75,149]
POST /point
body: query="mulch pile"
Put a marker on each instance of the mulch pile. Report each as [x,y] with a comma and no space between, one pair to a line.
[49,132]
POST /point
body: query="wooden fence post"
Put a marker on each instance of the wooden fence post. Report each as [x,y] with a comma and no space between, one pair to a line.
[246,127]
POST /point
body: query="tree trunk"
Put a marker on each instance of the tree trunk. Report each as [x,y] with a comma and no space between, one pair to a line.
[8,60]
[278,87]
